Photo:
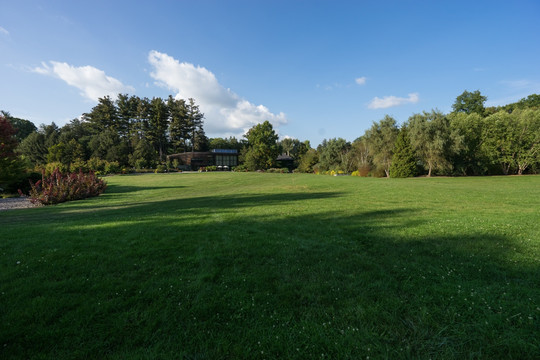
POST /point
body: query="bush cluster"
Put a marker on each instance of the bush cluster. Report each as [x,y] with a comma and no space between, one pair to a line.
[160,169]
[278,170]
[57,187]
[334,172]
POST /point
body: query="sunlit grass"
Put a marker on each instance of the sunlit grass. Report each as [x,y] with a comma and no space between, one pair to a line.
[227,265]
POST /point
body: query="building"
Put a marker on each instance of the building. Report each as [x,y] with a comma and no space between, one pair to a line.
[223,159]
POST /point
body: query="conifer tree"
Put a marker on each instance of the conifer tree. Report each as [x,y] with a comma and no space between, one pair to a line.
[403,161]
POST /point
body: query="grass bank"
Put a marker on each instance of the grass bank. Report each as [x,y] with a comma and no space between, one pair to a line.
[228,265]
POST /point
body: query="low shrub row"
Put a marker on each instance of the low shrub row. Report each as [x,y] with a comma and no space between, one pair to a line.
[58,187]
[278,170]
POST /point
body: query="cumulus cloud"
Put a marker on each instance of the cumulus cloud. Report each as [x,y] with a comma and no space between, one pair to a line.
[361,80]
[391,101]
[92,82]
[226,113]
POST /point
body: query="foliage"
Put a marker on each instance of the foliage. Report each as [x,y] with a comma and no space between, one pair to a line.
[333,154]
[530,102]
[360,155]
[12,168]
[431,140]
[240,168]
[513,140]
[403,161]
[226,143]
[22,127]
[58,187]
[160,169]
[262,149]
[144,155]
[33,147]
[466,133]
[470,102]
[381,138]
[112,167]
[308,161]
[278,170]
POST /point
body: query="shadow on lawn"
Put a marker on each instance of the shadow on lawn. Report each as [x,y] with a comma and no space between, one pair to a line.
[310,274]
[123,189]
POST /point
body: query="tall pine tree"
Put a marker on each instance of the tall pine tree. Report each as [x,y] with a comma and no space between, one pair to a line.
[403,161]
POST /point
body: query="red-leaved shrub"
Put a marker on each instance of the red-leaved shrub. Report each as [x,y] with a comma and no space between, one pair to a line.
[59,187]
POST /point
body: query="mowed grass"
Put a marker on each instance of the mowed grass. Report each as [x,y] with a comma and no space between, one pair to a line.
[290,266]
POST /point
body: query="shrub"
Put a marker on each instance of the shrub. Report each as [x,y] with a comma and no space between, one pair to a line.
[78,165]
[112,167]
[58,187]
[240,168]
[364,170]
[53,166]
[278,170]
[24,186]
[161,169]
[96,164]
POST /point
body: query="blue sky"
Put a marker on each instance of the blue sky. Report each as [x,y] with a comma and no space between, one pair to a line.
[315,69]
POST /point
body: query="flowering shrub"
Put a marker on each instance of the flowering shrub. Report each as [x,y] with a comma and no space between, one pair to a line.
[59,187]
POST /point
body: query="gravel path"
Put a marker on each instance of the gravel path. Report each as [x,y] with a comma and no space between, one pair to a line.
[15,203]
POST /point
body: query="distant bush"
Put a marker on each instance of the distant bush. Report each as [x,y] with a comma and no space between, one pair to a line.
[78,165]
[364,170]
[161,169]
[96,164]
[57,187]
[112,167]
[52,166]
[278,170]
[240,168]
[30,178]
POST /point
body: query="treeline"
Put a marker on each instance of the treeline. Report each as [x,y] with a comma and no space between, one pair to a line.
[471,140]
[139,133]
[131,131]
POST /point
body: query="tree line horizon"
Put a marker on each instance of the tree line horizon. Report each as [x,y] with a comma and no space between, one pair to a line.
[139,133]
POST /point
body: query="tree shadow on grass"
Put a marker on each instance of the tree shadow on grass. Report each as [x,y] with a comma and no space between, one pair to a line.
[231,276]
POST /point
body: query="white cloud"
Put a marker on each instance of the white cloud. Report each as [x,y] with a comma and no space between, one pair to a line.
[3,31]
[93,83]
[225,112]
[391,101]
[361,80]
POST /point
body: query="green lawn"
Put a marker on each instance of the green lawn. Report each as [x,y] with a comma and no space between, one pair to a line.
[247,265]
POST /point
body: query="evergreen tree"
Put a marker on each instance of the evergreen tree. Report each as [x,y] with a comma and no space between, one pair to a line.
[177,124]
[159,124]
[403,161]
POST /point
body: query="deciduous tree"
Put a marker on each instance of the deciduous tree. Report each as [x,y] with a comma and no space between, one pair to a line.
[430,139]
[262,149]
[381,138]
[470,102]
